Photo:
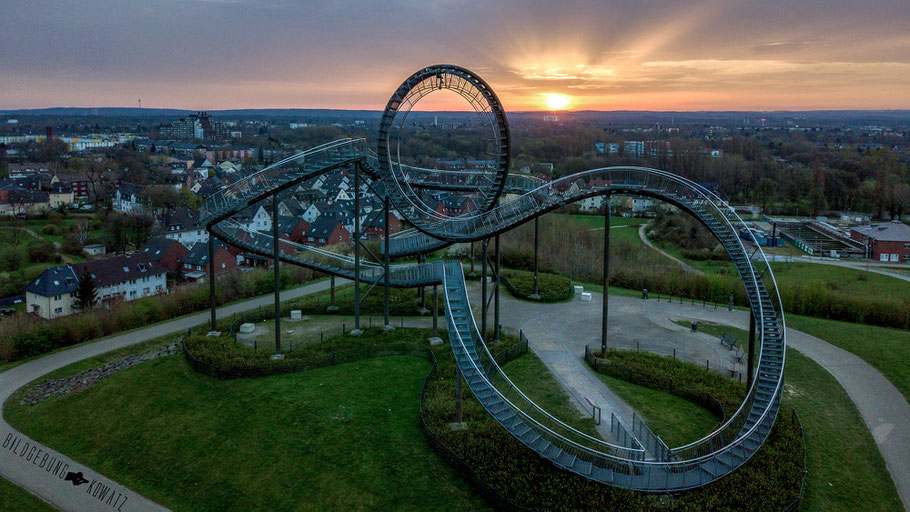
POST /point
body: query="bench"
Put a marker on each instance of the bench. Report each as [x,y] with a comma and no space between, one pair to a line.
[728,340]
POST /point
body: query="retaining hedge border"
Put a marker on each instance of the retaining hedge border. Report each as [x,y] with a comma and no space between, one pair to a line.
[550,287]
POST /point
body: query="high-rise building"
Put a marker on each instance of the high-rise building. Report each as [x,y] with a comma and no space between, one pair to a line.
[195,126]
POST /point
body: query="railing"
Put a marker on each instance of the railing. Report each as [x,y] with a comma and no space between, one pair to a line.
[651,442]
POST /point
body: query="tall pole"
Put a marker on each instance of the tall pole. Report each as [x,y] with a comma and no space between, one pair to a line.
[212,279]
[606,294]
[483,288]
[356,250]
[750,372]
[435,312]
[496,295]
[385,257]
[457,394]
[277,269]
[536,294]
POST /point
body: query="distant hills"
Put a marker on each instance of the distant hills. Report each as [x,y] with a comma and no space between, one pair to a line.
[622,116]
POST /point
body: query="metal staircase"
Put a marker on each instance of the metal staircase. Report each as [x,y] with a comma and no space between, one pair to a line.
[692,465]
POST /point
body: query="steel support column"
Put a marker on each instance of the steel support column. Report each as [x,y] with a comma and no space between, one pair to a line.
[536,293]
[750,359]
[435,312]
[277,270]
[212,280]
[496,293]
[606,293]
[483,288]
[356,250]
[457,394]
[385,260]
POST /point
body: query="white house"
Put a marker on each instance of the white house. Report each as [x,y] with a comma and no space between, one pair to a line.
[53,293]
[127,199]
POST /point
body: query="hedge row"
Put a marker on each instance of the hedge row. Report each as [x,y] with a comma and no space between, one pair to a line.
[223,358]
[551,287]
[683,379]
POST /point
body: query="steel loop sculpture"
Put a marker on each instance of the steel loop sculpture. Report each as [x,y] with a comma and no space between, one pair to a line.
[629,463]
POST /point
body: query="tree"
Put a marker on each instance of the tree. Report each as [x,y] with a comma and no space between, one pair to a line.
[764,192]
[85,292]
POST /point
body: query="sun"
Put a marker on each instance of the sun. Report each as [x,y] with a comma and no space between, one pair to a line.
[555,101]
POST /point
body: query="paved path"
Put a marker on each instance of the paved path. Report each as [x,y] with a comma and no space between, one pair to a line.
[559,332]
[884,409]
[681,263]
[43,471]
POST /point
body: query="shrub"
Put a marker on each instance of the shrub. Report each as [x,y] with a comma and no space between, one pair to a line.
[550,287]
[41,252]
[50,229]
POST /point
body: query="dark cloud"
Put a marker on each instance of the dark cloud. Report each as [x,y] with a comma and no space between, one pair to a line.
[346,53]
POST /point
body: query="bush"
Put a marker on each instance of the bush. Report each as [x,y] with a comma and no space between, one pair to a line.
[550,287]
[50,229]
[13,258]
[41,252]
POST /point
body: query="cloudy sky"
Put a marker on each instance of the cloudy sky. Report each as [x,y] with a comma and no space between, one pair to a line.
[602,55]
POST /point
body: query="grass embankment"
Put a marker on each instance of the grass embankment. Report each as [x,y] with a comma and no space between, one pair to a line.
[334,438]
[535,380]
[888,350]
[15,498]
[836,436]
[675,420]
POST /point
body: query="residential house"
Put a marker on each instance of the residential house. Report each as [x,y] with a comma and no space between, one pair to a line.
[130,277]
[181,225]
[166,251]
[195,263]
[128,198]
[292,228]
[60,195]
[19,201]
[327,231]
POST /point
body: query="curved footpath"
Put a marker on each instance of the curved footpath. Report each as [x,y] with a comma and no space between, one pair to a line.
[574,324]
[59,479]
[644,238]
[62,481]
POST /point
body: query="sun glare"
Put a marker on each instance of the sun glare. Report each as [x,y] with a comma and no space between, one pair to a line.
[555,101]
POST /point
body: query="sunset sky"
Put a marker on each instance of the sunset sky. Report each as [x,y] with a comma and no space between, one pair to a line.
[601,55]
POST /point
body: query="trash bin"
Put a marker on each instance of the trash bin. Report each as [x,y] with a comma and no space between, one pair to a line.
[694,326]
[644,293]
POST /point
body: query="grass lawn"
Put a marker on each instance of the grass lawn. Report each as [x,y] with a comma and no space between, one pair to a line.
[535,380]
[675,420]
[845,469]
[14,498]
[888,350]
[848,281]
[836,437]
[597,221]
[340,438]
